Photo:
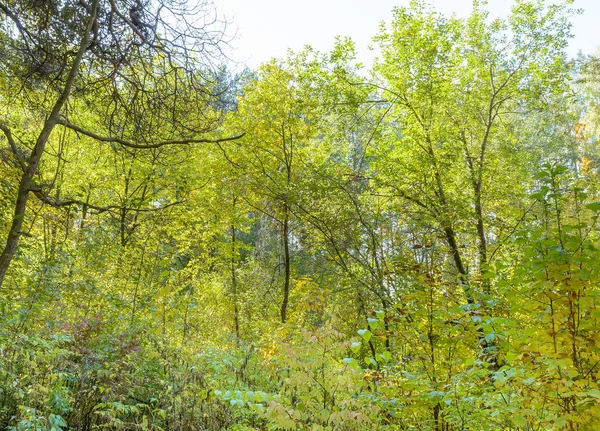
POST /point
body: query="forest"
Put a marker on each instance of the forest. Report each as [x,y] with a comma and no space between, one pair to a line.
[314,244]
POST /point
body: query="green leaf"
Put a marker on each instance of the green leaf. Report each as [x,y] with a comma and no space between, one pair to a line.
[594,393]
[519,421]
[324,415]
[369,360]
[490,337]
[595,206]
[560,422]
[365,334]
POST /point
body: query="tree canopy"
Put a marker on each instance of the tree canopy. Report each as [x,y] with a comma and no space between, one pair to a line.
[316,244]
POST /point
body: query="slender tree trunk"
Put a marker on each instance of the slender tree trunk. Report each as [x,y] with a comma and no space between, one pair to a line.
[476,172]
[446,225]
[480,229]
[122,227]
[482,264]
[123,216]
[477,185]
[26,182]
[286,263]
[137,287]
[431,336]
[236,311]
[436,417]
[458,263]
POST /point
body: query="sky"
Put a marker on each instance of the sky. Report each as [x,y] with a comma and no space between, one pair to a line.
[268,28]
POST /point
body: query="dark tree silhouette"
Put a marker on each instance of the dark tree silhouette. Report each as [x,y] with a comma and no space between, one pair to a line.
[147,68]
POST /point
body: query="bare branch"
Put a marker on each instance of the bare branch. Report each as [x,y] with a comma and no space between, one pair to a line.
[129,144]
[13,145]
[99,209]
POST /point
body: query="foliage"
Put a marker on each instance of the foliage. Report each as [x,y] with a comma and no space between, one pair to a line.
[312,245]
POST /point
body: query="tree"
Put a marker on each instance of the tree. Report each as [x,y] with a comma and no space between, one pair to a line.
[277,112]
[453,89]
[411,247]
[142,66]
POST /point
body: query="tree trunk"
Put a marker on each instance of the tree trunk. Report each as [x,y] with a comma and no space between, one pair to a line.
[286,263]
[236,311]
[26,182]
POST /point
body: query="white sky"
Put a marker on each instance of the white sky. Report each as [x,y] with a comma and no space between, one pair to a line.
[267,28]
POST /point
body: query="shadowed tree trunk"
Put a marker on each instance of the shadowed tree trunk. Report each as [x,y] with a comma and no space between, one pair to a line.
[32,164]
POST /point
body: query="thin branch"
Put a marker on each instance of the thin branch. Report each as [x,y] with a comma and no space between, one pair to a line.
[126,143]
[99,209]
[13,145]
